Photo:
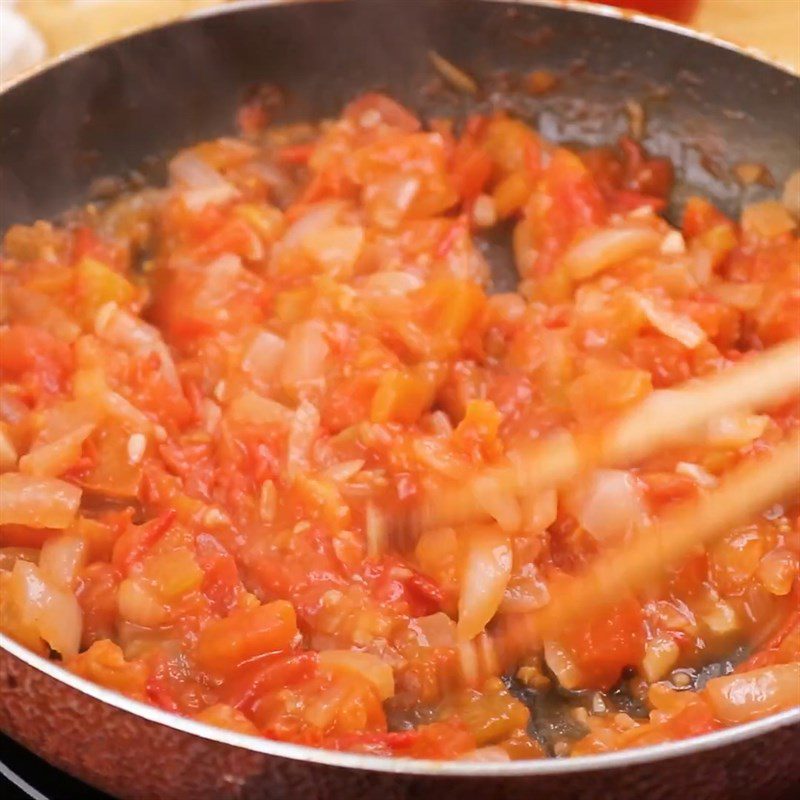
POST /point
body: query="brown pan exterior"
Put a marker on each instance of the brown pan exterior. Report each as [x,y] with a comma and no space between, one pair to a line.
[708,107]
[134,758]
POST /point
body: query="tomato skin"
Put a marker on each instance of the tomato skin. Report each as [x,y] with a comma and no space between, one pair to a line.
[245,634]
[612,641]
[221,583]
[667,361]
[268,673]
[30,352]
[134,542]
[97,594]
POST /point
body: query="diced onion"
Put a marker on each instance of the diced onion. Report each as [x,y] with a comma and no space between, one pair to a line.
[660,656]
[317,218]
[525,592]
[366,665]
[539,511]
[137,604]
[751,695]
[304,358]
[499,502]
[673,244]
[302,433]
[677,326]
[335,248]
[720,618]
[200,183]
[777,571]
[344,470]
[699,475]
[435,630]
[55,612]
[37,502]
[263,356]
[605,248]
[484,212]
[561,665]
[250,408]
[54,458]
[392,283]
[61,558]
[267,501]
[611,505]
[767,219]
[484,576]
[377,530]
[122,329]
[391,199]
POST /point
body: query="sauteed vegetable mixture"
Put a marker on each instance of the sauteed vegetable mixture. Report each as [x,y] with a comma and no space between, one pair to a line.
[217,397]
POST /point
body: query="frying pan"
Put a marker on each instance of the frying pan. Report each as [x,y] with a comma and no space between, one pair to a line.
[115,108]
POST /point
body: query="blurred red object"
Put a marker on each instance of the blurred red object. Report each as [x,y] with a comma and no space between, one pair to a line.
[679,10]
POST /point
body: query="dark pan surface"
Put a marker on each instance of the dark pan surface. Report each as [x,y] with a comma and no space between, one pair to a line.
[106,111]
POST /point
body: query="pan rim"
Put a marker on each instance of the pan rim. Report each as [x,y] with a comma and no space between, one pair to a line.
[392,764]
[386,764]
[599,9]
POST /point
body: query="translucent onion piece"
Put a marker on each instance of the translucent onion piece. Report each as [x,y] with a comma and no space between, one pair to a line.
[302,433]
[122,329]
[137,604]
[777,571]
[366,665]
[304,357]
[525,592]
[376,530]
[392,283]
[485,572]
[250,408]
[317,218]
[37,502]
[56,457]
[611,506]
[435,630]
[539,511]
[561,665]
[499,502]
[61,558]
[264,356]
[756,694]
[660,656]
[336,248]
[200,183]
[677,326]
[767,219]
[607,247]
[54,611]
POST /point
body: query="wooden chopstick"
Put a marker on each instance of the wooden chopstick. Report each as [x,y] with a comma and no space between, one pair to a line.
[748,489]
[663,419]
